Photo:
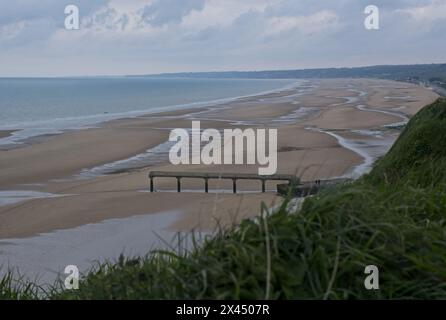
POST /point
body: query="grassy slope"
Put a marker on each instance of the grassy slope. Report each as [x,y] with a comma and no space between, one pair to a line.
[394,218]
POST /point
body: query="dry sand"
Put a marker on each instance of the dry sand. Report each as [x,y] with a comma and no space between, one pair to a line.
[52,162]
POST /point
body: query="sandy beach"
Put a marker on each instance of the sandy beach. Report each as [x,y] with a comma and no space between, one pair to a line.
[322,129]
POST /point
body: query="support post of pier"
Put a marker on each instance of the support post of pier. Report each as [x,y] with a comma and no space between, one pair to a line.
[263,185]
[206,185]
[234,185]
[178,184]
[151,184]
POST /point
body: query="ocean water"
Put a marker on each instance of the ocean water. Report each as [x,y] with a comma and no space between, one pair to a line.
[50,105]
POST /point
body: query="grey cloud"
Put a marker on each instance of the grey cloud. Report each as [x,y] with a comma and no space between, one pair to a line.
[163,12]
[242,43]
[28,10]
[36,21]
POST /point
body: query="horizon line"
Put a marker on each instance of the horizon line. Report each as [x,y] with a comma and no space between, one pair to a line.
[215,72]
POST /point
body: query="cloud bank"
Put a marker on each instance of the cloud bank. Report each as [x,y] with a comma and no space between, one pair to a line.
[152,36]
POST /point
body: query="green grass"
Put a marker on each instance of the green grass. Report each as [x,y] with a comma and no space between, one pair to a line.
[394,218]
[419,156]
[13,287]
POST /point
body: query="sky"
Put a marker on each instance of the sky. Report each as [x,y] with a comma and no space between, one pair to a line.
[118,37]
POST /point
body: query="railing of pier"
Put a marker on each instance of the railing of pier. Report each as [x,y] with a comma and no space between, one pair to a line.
[292,180]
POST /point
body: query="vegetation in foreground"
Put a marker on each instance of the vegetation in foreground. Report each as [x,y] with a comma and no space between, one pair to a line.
[394,218]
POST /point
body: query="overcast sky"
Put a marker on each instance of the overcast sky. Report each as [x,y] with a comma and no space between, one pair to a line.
[154,36]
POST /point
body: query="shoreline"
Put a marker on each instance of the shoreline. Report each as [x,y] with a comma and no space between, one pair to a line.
[311,155]
[6,133]
[23,138]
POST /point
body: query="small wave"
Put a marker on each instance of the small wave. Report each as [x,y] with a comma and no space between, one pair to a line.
[16,196]
[152,156]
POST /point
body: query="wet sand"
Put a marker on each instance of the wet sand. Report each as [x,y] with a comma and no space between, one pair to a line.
[52,165]
[6,133]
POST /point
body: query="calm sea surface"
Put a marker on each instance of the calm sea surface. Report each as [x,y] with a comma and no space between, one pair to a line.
[47,106]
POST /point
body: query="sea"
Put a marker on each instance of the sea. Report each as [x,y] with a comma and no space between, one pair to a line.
[41,106]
